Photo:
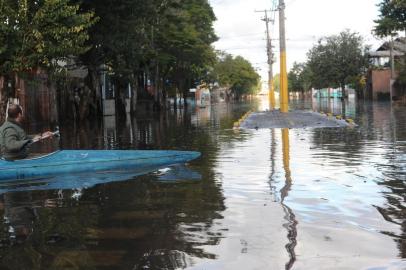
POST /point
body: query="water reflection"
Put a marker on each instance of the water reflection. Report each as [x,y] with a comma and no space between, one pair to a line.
[58,230]
[258,199]
[88,180]
[158,220]
[289,215]
[335,106]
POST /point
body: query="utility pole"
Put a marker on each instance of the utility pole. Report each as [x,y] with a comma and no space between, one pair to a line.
[284,97]
[270,54]
[392,69]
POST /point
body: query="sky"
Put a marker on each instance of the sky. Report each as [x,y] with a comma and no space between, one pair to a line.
[242,32]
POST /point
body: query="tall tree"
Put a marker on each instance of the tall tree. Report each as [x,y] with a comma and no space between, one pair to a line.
[299,77]
[392,18]
[164,42]
[184,39]
[120,44]
[38,34]
[337,59]
[237,74]
[276,82]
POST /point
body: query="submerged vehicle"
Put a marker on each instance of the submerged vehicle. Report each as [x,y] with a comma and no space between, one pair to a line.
[85,161]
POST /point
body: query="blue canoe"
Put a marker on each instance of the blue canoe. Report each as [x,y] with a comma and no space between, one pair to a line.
[85,161]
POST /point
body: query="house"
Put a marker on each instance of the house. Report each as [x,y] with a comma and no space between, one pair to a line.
[380,78]
[202,96]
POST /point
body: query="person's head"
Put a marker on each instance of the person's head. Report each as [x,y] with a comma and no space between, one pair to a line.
[15,112]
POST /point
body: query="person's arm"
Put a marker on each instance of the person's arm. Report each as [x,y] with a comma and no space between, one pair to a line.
[11,141]
[45,135]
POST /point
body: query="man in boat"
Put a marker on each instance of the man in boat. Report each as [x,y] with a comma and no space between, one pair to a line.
[14,141]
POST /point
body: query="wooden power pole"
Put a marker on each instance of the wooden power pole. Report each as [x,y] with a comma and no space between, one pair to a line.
[270,54]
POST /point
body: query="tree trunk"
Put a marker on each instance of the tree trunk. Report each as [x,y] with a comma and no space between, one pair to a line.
[161,93]
[53,110]
[185,99]
[3,98]
[360,94]
[164,98]
[93,82]
[134,131]
[175,100]
[185,91]
[157,101]
[134,96]
[121,114]
[343,108]
[343,94]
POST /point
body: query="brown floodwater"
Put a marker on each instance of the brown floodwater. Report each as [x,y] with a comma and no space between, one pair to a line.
[257,199]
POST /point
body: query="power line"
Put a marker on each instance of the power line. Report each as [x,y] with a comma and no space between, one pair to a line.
[243,48]
[244,35]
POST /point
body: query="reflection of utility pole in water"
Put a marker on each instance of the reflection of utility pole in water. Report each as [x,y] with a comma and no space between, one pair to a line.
[271,179]
[289,215]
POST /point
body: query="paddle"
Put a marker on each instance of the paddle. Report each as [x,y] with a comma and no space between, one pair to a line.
[45,136]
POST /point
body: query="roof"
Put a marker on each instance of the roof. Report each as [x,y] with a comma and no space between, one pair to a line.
[399,48]
[385,53]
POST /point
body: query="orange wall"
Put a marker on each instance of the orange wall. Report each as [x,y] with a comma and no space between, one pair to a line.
[380,81]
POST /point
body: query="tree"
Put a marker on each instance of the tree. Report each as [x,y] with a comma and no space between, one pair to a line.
[299,77]
[183,42]
[392,18]
[120,44]
[237,74]
[276,82]
[38,34]
[166,43]
[336,60]
[293,78]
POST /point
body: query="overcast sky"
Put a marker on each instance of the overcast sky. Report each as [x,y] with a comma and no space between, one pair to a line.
[242,32]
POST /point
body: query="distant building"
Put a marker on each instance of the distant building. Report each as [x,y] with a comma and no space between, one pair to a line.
[379,79]
[202,96]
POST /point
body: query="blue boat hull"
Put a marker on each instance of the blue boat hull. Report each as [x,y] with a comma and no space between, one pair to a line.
[80,161]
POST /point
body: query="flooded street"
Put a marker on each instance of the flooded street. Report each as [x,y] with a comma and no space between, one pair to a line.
[330,198]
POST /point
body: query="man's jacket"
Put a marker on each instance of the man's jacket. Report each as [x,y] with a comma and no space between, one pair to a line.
[13,141]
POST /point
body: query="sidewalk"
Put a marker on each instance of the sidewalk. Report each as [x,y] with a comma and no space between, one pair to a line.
[292,119]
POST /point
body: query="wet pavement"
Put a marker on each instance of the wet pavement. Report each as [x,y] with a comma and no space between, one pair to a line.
[292,119]
[325,198]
